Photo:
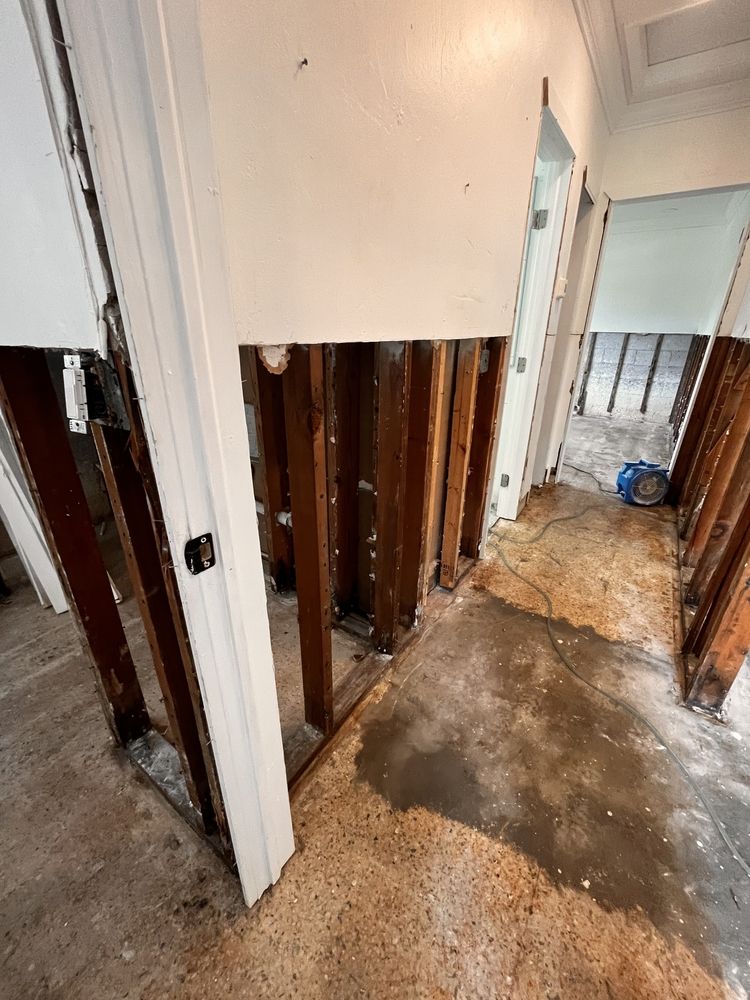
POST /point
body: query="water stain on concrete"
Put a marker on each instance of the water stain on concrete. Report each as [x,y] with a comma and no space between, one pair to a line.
[492,732]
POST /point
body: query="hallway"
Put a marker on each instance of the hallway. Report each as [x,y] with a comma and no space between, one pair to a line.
[484,826]
[600,444]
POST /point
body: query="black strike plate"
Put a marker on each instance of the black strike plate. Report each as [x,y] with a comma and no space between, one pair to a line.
[199,553]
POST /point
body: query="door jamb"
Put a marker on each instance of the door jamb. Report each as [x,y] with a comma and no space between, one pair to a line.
[596,251]
[139,80]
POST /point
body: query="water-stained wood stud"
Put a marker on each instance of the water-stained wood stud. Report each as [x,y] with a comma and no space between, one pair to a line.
[303,387]
[143,559]
[264,391]
[728,517]
[28,398]
[392,368]
[698,431]
[728,453]
[728,640]
[489,404]
[720,415]
[427,385]
[343,415]
[462,426]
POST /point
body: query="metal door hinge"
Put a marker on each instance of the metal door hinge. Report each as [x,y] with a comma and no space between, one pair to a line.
[539,218]
[484,361]
[92,392]
[520,365]
[504,479]
[74,384]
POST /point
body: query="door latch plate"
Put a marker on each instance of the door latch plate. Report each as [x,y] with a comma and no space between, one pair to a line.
[200,554]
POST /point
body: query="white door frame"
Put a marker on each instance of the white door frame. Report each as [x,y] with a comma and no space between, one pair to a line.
[138,72]
[585,308]
[554,166]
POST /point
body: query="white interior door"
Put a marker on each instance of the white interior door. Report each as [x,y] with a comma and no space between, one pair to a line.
[552,173]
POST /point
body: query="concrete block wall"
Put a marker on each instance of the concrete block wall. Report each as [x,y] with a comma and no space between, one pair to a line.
[635,369]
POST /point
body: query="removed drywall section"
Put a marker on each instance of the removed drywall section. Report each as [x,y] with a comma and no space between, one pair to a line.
[639,370]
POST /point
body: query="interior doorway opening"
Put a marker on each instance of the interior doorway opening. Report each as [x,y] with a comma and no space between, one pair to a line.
[665,270]
[371,465]
[547,204]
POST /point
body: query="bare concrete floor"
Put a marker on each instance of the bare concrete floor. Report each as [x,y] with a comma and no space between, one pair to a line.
[348,651]
[601,444]
[487,827]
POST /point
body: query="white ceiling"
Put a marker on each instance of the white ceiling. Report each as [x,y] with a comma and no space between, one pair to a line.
[662,60]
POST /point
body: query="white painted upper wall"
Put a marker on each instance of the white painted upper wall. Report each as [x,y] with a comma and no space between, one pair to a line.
[380,190]
[712,151]
[667,263]
[46,296]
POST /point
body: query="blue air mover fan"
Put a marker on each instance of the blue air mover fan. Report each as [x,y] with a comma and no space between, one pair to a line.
[642,483]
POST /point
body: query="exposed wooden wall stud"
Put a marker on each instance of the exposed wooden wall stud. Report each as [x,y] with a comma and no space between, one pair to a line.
[392,372]
[304,408]
[490,389]
[342,444]
[462,424]
[33,414]
[264,391]
[428,364]
[696,432]
[728,645]
[143,559]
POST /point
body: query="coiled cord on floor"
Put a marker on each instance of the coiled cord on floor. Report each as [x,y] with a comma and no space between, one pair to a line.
[614,699]
[600,485]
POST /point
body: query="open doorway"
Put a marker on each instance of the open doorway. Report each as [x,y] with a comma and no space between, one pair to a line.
[549,195]
[665,269]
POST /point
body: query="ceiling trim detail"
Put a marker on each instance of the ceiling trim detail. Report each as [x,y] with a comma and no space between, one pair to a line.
[635,92]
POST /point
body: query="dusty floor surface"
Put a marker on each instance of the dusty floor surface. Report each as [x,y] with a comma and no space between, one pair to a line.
[487,828]
[348,651]
[601,444]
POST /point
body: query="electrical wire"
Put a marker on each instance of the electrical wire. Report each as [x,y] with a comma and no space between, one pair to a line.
[585,472]
[614,699]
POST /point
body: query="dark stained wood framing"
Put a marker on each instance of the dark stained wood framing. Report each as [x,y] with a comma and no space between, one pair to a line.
[264,391]
[722,414]
[618,372]
[686,380]
[342,444]
[691,450]
[704,619]
[304,408]
[490,390]
[701,346]
[651,372]
[392,368]
[428,363]
[735,499]
[581,401]
[462,424]
[143,558]
[30,404]
[732,444]
[715,507]
[439,469]
[729,641]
